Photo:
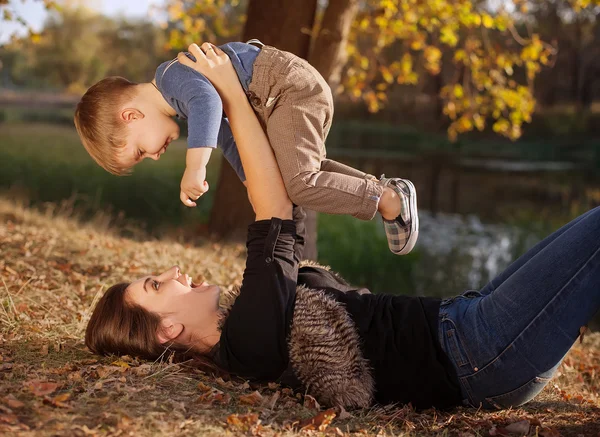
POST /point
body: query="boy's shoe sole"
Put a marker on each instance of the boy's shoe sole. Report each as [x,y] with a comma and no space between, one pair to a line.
[401,236]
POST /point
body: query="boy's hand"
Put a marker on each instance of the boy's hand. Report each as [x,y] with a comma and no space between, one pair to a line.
[193,185]
[215,64]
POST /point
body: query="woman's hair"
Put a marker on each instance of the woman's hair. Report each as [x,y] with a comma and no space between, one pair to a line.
[118,326]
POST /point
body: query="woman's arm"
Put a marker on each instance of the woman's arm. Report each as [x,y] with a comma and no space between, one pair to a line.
[264,182]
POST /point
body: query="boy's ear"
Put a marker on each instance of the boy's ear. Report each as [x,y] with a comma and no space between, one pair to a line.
[130,114]
[169,330]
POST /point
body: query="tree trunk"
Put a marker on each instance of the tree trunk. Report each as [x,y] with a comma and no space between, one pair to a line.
[280,25]
[328,54]
[287,26]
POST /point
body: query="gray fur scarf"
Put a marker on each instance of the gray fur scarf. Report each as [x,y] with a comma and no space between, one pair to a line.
[324,348]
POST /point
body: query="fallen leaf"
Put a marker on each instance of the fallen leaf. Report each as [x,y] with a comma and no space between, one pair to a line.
[203,387]
[13,403]
[498,431]
[582,331]
[254,398]
[58,400]
[6,366]
[142,370]
[214,397]
[319,422]
[41,388]
[311,403]
[273,400]
[121,363]
[343,414]
[223,383]
[521,427]
[242,422]
[549,432]
[44,350]
[9,418]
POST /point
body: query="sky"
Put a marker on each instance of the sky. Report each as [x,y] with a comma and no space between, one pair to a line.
[34,13]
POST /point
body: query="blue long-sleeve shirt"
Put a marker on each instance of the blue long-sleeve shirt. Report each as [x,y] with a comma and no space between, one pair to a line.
[194,98]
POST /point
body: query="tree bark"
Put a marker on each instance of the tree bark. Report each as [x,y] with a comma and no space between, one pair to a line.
[328,54]
[287,26]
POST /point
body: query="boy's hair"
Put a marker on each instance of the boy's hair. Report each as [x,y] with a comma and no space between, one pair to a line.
[102,132]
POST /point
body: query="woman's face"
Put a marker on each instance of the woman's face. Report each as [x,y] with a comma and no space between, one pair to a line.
[185,306]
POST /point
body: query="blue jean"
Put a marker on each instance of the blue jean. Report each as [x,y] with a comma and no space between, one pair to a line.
[507,340]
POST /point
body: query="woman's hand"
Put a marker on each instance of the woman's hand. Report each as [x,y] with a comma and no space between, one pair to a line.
[215,64]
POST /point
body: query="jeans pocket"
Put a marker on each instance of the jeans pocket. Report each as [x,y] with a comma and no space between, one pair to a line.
[520,395]
[469,294]
[454,345]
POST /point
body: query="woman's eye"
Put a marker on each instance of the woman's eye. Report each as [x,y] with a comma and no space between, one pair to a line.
[155,285]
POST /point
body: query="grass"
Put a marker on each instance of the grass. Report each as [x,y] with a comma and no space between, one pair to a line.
[47,163]
[52,270]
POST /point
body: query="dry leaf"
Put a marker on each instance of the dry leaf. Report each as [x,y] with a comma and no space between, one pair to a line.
[311,403]
[273,400]
[223,383]
[498,431]
[58,400]
[203,387]
[549,432]
[254,398]
[319,422]
[343,414]
[121,363]
[6,366]
[582,331]
[521,427]
[142,370]
[41,388]
[214,397]
[9,418]
[44,350]
[13,403]
[242,422]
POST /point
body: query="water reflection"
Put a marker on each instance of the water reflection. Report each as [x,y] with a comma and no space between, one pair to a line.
[456,253]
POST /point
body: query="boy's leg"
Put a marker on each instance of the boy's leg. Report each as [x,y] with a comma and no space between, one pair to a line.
[297,129]
[337,167]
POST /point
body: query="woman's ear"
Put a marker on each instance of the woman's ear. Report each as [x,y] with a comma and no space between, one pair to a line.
[169,330]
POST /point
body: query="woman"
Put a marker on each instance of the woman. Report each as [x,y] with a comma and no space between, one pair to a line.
[305,327]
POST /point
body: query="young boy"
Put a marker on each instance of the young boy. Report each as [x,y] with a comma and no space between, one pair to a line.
[120,123]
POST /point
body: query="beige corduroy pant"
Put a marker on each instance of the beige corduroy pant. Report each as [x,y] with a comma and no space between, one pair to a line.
[294,105]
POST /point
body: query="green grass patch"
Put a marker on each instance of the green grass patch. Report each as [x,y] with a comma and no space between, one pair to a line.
[48,163]
[359,251]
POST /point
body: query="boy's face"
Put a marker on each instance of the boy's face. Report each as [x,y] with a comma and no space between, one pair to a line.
[149,133]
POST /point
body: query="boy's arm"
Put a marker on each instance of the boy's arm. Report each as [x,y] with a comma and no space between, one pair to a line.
[204,113]
[198,157]
[229,149]
[193,182]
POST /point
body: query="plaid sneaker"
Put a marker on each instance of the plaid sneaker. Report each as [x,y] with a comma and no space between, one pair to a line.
[402,233]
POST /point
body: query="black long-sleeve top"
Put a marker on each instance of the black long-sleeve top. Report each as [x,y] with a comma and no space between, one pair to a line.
[399,333]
